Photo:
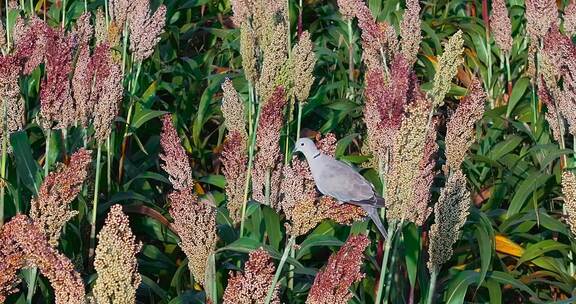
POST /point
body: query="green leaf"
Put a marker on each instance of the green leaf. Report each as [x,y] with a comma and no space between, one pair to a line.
[28,170]
[214,179]
[517,92]
[272,222]
[485,246]
[540,248]
[504,147]
[143,116]
[459,286]
[343,143]
[412,244]
[534,181]
[315,240]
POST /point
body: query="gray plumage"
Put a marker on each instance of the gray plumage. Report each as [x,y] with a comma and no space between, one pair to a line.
[340,181]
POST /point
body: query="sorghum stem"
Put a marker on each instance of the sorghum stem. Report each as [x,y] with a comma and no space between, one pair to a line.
[125,137]
[106,13]
[108,165]
[432,286]
[387,246]
[267,189]
[508,74]
[300,105]
[47,153]
[489,80]
[392,262]
[95,202]
[249,171]
[32,285]
[63,14]
[279,269]
[3,169]
[350,60]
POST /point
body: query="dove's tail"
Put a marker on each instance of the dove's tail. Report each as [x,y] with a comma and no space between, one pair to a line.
[373,214]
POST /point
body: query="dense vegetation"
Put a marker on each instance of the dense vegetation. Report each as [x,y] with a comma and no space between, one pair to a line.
[146,151]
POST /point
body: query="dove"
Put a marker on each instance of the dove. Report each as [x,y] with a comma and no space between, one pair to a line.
[340,181]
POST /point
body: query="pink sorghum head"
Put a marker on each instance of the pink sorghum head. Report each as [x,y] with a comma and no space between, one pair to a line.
[50,210]
[501,26]
[145,28]
[555,121]
[569,17]
[332,283]
[10,70]
[540,16]
[268,158]
[31,43]
[82,79]
[252,286]
[176,162]
[108,90]
[460,129]
[23,244]
[235,161]
[410,31]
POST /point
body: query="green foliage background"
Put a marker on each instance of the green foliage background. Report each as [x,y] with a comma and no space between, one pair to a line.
[515,247]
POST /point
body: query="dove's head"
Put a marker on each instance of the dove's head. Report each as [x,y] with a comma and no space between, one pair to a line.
[307,147]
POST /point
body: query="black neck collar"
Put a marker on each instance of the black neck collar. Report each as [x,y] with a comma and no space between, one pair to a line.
[315,156]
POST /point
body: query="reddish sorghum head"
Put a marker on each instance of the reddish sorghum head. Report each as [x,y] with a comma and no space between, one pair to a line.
[175,159]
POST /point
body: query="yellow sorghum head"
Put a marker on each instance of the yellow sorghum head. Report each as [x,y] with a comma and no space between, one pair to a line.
[448,65]
[569,191]
[115,260]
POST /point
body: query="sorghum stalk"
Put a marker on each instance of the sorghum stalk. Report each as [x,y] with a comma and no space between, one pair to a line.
[32,284]
[289,245]
[432,286]
[508,74]
[108,164]
[47,153]
[85,5]
[300,105]
[489,80]
[7,27]
[250,163]
[3,168]
[125,137]
[95,203]
[63,14]
[392,262]
[387,247]
[106,13]
[350,59]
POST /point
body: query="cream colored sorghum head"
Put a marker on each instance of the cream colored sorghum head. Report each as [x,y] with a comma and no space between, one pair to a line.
[145,28]
[115,260]
[233,109]
[175,160]
[569,191]
[235,161]
[569,17]
[501,26]
[450,213]
[410,31]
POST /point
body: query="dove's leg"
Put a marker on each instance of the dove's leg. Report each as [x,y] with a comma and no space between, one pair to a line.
[373,214]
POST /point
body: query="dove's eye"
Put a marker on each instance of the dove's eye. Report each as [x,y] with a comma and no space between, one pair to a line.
[302,144]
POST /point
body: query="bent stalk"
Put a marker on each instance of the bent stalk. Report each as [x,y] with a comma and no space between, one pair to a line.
[95,203]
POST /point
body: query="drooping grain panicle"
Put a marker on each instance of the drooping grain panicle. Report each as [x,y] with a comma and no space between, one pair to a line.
[555,120]
[501,26]
[406,157]
[448,65]
[540,16]
[460,128]
[248,52]
[56,103]
[268,163]
[115,260]
[450,213]
[302,64]
[23,244]
[410,32]
[109,91]
[82,78]
[31,43]
[252,286]
[274,58]
[176,162]
[569,192]
[235,161]
[332,284]
[558,66]
[233,109]
[195,223]
[385,106]
[120,9]
[569,17]
[10,98]
[100,29]
[51,209]
[145,28]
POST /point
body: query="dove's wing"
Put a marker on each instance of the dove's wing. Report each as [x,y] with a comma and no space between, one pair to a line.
[339,180]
